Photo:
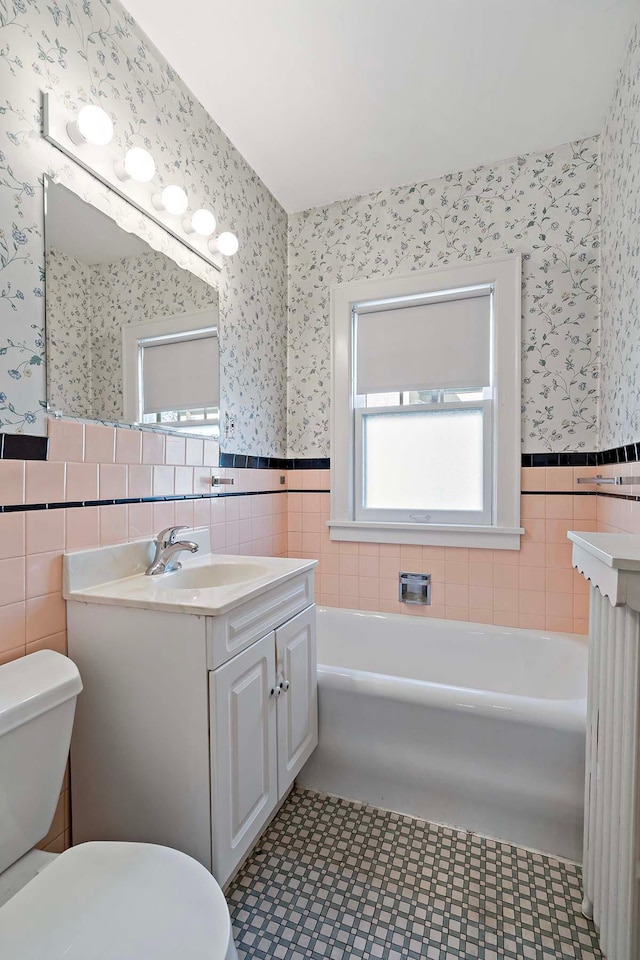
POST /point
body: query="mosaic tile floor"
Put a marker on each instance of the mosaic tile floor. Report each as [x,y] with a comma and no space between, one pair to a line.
[335,879]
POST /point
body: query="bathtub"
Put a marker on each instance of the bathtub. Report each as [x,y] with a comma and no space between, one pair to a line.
[474,726]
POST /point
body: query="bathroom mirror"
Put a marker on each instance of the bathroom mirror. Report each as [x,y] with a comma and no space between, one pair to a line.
[132,337]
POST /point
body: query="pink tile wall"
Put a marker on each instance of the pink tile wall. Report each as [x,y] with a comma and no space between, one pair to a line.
[534,587]
[615,513]
[89,462]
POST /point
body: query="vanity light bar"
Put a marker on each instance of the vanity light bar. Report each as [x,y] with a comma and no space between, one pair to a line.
[87,138]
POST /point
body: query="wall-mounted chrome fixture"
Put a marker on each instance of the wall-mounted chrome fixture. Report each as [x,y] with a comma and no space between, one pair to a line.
[222,481]
[617,481]
[87,137]
[415,588]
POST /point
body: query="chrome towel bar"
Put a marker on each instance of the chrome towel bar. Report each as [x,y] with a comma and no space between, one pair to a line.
[617,481]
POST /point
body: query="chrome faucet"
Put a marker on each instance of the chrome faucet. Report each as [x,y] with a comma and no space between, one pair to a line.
[167,549]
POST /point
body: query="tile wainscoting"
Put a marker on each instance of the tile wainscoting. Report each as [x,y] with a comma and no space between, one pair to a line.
[533,587]
[619,506]
[102,485]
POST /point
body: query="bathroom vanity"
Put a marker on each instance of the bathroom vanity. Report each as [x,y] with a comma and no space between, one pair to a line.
[199,704]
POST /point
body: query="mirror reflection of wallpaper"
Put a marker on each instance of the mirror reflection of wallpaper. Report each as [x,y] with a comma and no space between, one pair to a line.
[69,334]
[87,305]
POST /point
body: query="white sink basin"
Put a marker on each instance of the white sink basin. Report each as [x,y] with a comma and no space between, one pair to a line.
[207,585]
[219,574]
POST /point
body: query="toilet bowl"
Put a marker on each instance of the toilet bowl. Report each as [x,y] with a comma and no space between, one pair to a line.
[103,900]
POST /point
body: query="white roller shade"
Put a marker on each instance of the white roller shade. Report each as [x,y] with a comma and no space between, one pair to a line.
[181,374]
[426,346]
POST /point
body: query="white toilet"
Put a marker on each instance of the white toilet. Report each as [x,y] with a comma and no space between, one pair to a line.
[104,901]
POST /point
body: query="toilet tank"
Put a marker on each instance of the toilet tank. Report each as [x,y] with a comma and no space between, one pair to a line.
[37,703]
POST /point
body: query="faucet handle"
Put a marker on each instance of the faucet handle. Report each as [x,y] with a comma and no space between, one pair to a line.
[167,537]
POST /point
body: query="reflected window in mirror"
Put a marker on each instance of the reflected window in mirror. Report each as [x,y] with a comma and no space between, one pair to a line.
[171,373]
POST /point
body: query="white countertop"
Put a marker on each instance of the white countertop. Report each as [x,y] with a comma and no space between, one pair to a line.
[115,575]
[611,562]
[620,551]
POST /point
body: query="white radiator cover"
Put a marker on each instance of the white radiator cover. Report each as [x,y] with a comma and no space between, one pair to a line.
[611,852]
[611,815]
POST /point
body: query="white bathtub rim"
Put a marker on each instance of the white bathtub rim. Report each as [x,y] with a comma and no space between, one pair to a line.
[477,626]
[449,826]
[566,715]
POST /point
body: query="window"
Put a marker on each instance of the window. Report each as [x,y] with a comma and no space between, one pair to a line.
[425,411]
[178,380]
[171,373]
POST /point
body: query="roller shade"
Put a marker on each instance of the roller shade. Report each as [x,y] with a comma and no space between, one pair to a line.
[425,346]
[181,374]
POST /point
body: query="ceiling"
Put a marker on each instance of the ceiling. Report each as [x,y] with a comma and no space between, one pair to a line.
[78,229]
[328,99]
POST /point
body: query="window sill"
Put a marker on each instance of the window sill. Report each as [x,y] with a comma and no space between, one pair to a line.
[432,534]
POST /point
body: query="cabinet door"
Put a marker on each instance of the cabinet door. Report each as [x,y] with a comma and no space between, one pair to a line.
[244,788]
[298,702]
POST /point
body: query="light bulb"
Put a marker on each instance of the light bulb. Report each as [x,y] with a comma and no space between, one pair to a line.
[92,125]
[173,199]
[227,244]
[201,222]
[138,164]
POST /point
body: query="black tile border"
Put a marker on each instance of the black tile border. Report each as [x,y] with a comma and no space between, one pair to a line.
[244,461]
[73,504]
[629,453]
[21,446]
[560,459]
[559,493]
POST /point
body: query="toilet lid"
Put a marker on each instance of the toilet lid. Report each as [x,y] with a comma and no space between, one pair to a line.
[117,901]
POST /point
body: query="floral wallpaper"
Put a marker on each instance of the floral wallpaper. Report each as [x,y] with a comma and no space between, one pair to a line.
[87,306]
[131,290]
[545,206]
[91,50]
[620,403]
[69,334]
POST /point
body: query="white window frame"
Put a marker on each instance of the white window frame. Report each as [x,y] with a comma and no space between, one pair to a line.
[504,530]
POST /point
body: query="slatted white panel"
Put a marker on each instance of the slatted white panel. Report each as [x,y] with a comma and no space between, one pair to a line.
[612,834]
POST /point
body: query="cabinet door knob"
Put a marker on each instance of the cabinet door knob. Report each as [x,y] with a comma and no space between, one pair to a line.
[275,692]
[285,685]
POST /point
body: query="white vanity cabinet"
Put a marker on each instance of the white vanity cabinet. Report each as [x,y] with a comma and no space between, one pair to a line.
[264,726]
[191,728]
